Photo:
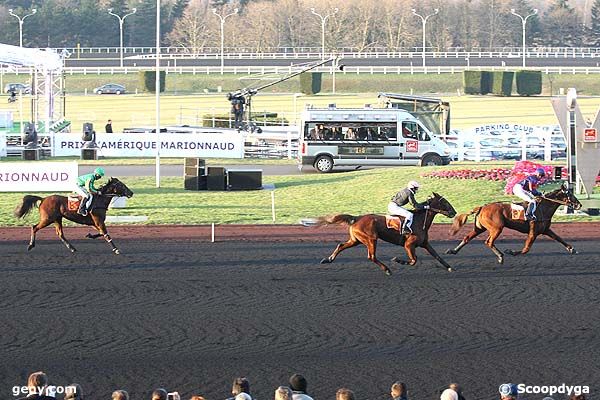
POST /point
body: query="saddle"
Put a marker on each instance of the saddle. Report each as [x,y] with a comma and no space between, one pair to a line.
[393,222]
[517,211]
[73,202]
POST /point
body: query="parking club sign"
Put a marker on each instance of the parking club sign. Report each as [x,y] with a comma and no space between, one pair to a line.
[590,135]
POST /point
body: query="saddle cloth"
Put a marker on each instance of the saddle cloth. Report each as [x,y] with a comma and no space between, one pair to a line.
[393,222]
[517,211]
[73,202]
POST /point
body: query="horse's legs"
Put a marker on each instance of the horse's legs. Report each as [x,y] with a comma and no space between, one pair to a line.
[551,234]
[528,243]
[435,255]
[489,242]
[61,235]
[340,247]
[44,222]
[102,229]
[470,236]
[371,249]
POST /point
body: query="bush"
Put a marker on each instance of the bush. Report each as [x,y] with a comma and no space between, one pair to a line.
[310,83]
[477,82]
[502,83]
[472,82]
[148,81]
[528,82]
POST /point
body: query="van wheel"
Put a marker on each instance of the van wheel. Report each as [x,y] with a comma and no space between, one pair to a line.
[431,159]
[118,92]
[99,92]
[324,164]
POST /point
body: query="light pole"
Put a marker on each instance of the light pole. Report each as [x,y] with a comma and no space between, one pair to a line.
[424,20]
[223,18]
[121,20]
[524,22]
[323,22]
[10,11]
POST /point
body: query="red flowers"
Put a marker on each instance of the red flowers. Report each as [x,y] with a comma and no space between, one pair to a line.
[497,174]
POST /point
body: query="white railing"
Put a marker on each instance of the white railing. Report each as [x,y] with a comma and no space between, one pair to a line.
[250,70]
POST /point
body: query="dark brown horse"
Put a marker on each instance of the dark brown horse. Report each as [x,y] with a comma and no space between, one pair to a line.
[494,217]
[54,208]
[366,229]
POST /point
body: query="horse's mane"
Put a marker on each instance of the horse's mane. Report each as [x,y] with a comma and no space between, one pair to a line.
[111,181]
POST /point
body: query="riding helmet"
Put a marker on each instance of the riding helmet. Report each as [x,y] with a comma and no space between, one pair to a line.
[99,171]
[540,171]
[413,185]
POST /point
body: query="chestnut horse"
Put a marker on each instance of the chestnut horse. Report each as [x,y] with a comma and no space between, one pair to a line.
[366,229]
[494,217]
[54,208]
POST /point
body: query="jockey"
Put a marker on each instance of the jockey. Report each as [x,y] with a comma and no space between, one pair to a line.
[86,189]
[403,197]
[527,190]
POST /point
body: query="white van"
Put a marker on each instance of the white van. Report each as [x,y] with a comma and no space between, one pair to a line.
[357,137]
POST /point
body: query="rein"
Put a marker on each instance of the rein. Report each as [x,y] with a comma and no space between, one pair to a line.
[561,202]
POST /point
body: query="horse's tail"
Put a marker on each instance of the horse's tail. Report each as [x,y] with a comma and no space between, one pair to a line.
[461,219]
[336,219]
[26,205]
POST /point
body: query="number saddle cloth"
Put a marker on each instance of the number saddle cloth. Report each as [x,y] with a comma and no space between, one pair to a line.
[73,202]
[517,211]
[393,222]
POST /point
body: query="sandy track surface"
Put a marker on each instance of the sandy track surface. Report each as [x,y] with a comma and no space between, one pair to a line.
[191,315]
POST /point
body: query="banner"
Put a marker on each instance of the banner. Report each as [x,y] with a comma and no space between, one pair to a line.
[2,145]
[35,176]
[197,144]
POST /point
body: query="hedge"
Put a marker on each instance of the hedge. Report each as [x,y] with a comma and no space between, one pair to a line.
[502,83]
[528,82]
[148,81]
[310,83]
[477,82]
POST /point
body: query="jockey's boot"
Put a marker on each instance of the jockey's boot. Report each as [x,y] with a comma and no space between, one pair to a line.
[406,229]
[82,209]
[529,214]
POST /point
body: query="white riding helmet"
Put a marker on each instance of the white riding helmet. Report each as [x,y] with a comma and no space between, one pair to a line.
[413,185]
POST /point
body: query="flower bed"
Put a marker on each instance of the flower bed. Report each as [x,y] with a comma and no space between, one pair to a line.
[519,171]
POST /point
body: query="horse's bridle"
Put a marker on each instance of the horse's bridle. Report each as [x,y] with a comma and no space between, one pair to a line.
[561,202]
[437,210]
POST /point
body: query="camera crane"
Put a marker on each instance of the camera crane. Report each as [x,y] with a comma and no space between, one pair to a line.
[244,96]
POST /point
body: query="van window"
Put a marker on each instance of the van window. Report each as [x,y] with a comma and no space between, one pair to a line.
[350,131]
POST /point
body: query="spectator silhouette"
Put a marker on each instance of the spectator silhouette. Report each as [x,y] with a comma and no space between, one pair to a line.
[283,393]
[344,394]
[36,386]
[108,127]
[398,391]
[298,385]
[120,395]
[159,394]
[73,392]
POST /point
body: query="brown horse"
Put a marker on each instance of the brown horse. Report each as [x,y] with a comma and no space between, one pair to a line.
[366,229]
[54,208]
[494,217]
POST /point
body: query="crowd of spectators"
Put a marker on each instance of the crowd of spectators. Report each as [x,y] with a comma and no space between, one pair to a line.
[39,389]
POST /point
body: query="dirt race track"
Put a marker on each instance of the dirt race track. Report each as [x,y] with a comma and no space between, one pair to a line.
[177,311]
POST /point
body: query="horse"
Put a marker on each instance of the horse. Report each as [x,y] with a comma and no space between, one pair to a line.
[366,229]
[54,208]
[494,217]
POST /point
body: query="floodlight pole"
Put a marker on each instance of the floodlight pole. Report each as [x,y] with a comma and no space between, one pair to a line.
[323,22]
[121,21]
[157,93]
[21,20]
[424,21]
[524,23]
[572,143]
[223,18]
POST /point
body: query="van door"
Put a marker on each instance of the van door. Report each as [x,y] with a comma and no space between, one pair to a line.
[410,148]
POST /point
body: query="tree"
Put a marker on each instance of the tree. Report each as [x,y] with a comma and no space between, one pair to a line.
[561,26]
[592,34]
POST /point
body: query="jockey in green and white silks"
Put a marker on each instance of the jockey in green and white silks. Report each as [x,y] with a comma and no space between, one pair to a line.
[86,189]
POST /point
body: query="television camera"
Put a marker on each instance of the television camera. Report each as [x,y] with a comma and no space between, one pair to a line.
[30,136]
[89,136]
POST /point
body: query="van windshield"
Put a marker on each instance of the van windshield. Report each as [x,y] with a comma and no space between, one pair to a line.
[350,131]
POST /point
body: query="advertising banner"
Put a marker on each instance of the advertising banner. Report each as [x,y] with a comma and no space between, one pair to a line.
[2,144]
[38,176]
[196,144]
